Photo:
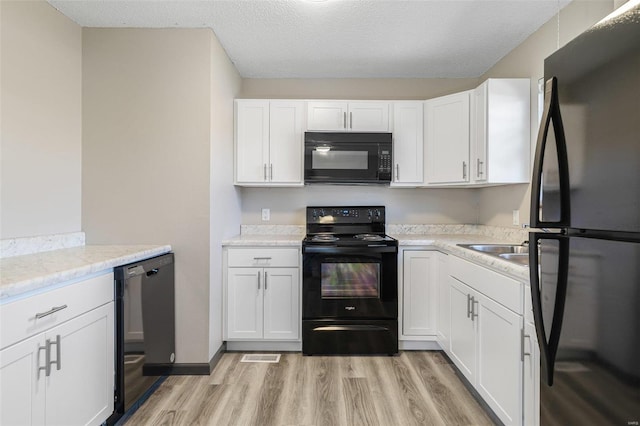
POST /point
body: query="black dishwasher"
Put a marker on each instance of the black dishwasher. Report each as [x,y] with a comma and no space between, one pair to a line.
[145,329]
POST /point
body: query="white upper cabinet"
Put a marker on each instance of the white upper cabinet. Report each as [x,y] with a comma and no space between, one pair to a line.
[269,142]
[500,131]
[447,139]
[343,116]
[408,143]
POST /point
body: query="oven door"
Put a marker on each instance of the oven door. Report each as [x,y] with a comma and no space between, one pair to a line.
[349,282]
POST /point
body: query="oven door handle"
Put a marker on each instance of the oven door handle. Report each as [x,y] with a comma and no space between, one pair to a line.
[350,250]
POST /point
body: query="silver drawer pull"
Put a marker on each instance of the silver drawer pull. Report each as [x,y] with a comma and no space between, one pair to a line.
[261,258]
[50,311]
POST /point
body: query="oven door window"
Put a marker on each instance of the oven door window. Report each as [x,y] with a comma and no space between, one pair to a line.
[350,280]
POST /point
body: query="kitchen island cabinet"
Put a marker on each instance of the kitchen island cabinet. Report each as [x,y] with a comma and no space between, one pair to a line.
[57,358]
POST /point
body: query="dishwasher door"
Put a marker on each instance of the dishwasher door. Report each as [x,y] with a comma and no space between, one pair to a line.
[145,337]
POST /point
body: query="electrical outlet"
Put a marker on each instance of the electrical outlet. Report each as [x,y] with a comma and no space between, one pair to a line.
[516,217]
[266,214]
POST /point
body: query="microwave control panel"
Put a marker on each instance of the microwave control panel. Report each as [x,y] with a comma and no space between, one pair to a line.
[384,167]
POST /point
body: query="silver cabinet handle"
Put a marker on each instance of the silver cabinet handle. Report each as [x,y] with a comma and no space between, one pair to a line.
[351,120]
[50,311]
[262,258]
[258,280]
[479,167]
[264,168]
[270,171]
[46,359]
[464,170]
[474,302]
[397,172]
[468,306]
[344,120]
[265,280]
[57,360]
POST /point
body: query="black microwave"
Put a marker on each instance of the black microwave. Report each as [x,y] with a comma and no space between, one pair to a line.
[347,158]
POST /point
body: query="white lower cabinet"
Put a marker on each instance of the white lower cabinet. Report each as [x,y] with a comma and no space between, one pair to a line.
[443,310]
[262,303]
[64,375]
[419,293]
[499,355]
[463,329]
[489,342]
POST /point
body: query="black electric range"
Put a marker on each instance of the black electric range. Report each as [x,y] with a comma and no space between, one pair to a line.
[349,283]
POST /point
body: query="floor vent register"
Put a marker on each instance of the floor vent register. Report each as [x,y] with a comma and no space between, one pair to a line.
[272,358]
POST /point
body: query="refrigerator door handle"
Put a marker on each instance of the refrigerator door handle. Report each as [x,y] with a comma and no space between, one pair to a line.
[551,113]
[549,347]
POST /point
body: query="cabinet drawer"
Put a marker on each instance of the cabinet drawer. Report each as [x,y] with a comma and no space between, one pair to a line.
[500,288]
[285,257]
[18,319]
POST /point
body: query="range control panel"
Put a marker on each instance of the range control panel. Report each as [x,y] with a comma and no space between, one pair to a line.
[326,215]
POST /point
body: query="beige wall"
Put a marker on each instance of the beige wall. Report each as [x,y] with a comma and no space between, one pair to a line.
[403,205]
[146,157]
[354,88]
[40,120]
[527,60]
[225,210]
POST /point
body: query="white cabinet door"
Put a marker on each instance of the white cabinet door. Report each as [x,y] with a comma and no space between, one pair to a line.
[443,306]
[463,329]
[281,294]
[80,386]
[419,280]
[500,131]
[531,377]
[327,116]
[368,116]
[408,142]
[331,116]
[22,385]
[252,141]
[447,142]
[479,134]
[285,141]
[499,378]
[244,303]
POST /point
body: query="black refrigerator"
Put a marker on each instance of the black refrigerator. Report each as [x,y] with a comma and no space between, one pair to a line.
[585,203]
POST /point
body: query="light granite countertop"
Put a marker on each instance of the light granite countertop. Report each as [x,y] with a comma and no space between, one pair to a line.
[24,274]
[445,242]
[448,243]
[264,240]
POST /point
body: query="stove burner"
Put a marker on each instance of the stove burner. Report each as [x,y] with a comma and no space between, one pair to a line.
[369,237]
[325,238]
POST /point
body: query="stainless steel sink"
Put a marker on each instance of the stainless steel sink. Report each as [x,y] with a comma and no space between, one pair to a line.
[516,253]
[520,258]
[498,248]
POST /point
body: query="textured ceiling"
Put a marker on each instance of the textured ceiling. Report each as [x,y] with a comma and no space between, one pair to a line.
[340,38]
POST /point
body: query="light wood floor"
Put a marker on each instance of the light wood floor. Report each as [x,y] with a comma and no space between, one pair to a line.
[414,388]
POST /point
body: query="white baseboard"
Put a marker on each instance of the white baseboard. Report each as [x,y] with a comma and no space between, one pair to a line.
[416,345]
